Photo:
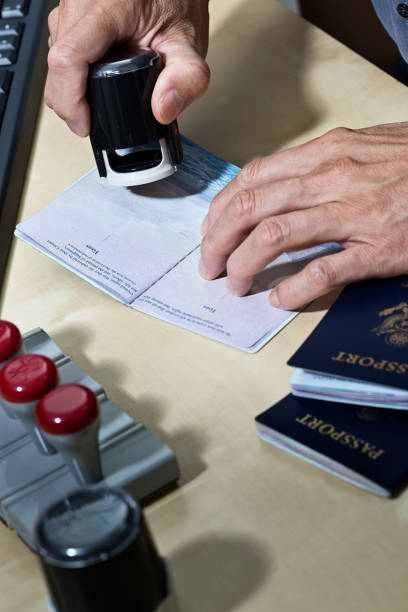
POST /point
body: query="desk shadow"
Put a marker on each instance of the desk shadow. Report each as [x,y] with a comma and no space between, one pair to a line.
[69,338]
[324,302]
[219,572]
[188,444]
[256,103]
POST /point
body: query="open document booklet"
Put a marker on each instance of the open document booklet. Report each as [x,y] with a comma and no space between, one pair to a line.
[141,245]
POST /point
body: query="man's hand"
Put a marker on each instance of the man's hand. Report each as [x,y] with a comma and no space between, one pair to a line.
[81,31]
[348,186]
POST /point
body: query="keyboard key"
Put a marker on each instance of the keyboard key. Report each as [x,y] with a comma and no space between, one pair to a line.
[10,28]
[14,8]
[5,80]
[7,58]
[9,42]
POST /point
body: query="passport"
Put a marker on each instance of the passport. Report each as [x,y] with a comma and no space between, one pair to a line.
[362,445]
[359,350]
[141,246]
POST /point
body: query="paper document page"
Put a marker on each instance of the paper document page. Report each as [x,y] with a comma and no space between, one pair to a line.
[305,383]
[184,298]
[123,239]
[141,245]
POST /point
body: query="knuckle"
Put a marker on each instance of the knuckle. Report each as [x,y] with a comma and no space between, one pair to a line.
[200,77]
[342,169]
[312,181]
[271,231]
[60,56]
[53,19]
[321,273]
[216,203]
[344,166]
[249,173]
[208,249]
[197,74]
[335,135]
[242,204]
[203,72]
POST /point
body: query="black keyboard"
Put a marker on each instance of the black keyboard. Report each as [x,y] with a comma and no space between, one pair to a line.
[23,63]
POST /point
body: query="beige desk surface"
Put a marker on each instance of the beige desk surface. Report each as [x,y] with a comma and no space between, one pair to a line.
[250,527]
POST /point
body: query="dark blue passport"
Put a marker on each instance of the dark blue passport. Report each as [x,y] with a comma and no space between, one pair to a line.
[363,445]
[363,336]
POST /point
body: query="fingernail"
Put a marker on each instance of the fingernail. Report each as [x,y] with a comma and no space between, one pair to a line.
[171,105]
[274,299]
[204,226]
[239,288]
[234,289]
[231,287]
[204,272]
[78,128]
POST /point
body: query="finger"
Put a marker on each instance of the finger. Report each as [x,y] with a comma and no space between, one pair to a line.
[322,275]
[72,11]
[53,25]
[184,78]
[274,235]
[68,61]
[326,150]
[297,161]
[243,213]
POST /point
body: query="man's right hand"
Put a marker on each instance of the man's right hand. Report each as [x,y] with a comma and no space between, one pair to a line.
[82,31]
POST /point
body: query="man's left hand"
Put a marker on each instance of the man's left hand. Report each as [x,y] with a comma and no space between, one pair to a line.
[348,186]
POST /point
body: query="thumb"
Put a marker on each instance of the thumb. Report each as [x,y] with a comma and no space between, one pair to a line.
[184,78]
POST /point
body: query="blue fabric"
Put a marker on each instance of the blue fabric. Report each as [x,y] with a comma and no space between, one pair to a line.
[396,26]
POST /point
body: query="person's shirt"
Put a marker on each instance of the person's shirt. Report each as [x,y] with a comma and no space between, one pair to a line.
[394,17]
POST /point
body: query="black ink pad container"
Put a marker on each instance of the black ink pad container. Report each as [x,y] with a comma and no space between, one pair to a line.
[97,554]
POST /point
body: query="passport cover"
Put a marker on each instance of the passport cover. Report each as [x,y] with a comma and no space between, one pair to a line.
[363,336]
[365,446]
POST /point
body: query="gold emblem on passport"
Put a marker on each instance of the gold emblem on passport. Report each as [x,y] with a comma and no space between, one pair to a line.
[395,327]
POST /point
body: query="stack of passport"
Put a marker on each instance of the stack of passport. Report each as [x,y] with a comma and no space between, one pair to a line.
[347,411]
